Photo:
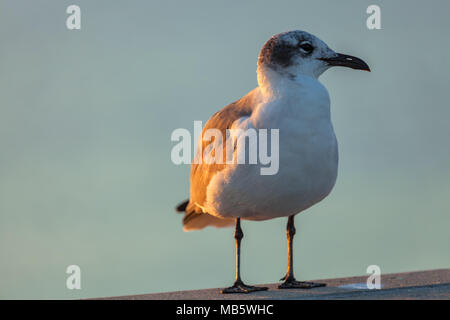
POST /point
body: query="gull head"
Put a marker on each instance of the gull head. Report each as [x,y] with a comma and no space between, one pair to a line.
[295,53]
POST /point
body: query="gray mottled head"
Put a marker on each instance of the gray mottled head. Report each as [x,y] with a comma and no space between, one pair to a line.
[299,52]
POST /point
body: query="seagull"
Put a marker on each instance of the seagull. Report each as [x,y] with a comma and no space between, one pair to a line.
[290,98]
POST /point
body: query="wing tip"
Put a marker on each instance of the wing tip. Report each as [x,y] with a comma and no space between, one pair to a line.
[182,206]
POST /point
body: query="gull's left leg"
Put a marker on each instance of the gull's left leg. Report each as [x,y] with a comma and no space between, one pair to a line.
[289,280]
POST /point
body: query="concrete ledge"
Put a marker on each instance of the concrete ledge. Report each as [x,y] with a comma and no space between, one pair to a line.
[431,284]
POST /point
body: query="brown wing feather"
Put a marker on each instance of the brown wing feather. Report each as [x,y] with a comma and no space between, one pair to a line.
[201,174]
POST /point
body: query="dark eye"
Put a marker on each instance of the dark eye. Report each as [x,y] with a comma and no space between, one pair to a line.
[306,47]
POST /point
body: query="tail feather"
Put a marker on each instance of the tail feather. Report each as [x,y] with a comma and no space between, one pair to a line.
[198,220]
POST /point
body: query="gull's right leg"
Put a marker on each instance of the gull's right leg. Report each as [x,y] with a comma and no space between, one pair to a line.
[239,286]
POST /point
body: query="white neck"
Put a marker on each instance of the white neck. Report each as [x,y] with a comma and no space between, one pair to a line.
[274,83]
[303,93]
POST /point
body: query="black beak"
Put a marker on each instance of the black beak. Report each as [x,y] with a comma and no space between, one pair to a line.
[344,60]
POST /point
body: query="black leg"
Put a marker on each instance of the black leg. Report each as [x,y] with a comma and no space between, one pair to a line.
[289,279]
[239,286]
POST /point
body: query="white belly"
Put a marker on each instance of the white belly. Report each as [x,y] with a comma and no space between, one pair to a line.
[308,162]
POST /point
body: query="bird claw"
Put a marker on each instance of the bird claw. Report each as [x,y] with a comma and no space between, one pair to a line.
[240,287]
[294,284]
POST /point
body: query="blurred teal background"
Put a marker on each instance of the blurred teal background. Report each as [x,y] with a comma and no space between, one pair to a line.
[85,124]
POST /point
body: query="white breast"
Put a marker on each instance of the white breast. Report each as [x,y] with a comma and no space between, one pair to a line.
[308,158]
